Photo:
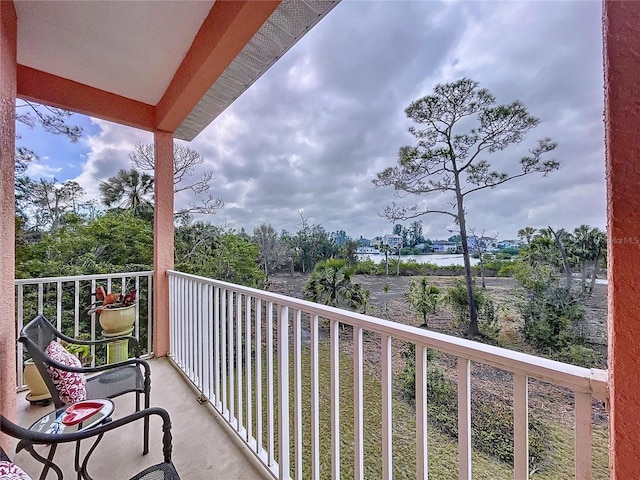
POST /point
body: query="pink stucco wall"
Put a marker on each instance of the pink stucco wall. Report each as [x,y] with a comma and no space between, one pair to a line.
[8,34]
[621,25]
[163,240]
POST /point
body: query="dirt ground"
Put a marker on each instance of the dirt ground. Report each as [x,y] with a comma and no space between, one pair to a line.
[391,304]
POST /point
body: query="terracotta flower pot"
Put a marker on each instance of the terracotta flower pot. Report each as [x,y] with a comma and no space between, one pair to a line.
[118,320]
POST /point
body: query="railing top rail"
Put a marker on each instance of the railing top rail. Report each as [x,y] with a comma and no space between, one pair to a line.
[72,278]
[593,381]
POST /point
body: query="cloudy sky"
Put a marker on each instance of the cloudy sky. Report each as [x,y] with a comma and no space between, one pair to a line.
[311,134]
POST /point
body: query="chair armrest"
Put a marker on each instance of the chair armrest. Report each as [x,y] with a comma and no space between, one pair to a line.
[101,368]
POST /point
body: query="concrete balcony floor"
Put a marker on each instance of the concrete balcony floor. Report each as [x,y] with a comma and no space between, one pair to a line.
[203,445]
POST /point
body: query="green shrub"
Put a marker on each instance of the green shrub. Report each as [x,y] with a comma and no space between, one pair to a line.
[578,355]
[496,264]
[366,267]
[458,299]
[488,322]
[491,417]
[549,318]
[423,297]
[406,379]
[507,269]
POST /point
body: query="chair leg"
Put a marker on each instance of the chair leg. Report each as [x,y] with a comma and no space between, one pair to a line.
[145,449]
[147,399]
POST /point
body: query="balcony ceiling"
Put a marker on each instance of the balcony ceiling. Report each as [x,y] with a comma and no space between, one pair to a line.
[178,64]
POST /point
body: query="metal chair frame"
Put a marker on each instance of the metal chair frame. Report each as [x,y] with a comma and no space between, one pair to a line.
[39,332]
[28,438]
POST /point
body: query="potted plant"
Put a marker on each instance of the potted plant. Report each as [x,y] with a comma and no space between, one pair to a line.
[117,314]
[116,311]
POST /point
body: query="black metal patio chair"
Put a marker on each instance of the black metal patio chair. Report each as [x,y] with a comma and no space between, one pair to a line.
[28,439]
[110,381]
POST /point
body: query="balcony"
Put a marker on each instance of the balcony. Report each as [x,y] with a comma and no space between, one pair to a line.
[325,405]
[203,446]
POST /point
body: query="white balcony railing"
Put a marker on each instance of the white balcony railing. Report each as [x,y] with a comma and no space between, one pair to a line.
[65,300]
[230,341]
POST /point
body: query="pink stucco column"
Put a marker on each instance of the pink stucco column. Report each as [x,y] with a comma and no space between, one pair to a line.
[8,35]
[621,24]
[162,239]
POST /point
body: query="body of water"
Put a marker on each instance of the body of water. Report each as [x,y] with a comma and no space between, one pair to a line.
[436,258]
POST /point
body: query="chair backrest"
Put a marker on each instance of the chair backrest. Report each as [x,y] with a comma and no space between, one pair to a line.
[36,336]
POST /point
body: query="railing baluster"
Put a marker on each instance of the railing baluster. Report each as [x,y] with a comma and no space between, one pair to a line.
[223,355]
[180,323]
[193,331]
[137,324]
[239,358]
[387,404]
[200,343]
[334,333]
[172,316]
[93,323]
[247,360]
[297,391]
[40,298]
[315,401]
[59,306]
[181,319]
[422,457]
[258,376]
[583,435]
[149,313]
[76,308]
[283,392]
[464,418]
[208,357]
[216,344]
[270,413]
[358,407]
[232,390]
[188,338]
[520,427]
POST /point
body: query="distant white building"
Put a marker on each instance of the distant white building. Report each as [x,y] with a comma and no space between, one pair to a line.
[443,246]
[392,240]
[509,244]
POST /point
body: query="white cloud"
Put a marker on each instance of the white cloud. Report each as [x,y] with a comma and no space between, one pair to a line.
[314,130]
[41,170]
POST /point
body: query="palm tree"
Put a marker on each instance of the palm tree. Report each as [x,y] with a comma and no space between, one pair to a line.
[330,284]
[129,190]
[423,297]
[599,244]
[580,247]
[527,234]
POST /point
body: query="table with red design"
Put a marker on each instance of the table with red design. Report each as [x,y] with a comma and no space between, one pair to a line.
[76,417]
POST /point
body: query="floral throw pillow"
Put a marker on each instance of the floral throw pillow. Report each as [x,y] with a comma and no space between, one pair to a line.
[70,385]
[10,471]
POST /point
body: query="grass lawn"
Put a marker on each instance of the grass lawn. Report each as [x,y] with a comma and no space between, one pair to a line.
[443,464]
